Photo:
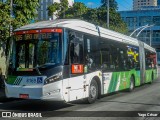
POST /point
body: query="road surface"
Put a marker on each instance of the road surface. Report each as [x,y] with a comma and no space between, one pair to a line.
[111,107]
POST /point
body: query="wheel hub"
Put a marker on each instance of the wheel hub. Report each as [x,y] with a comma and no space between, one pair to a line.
[93,91]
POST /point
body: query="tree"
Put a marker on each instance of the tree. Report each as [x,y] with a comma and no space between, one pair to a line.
[53,8]
[76,11]
[96,16]
[112,4]
[5,21]
[79,9]
[116,22]
[58,9]
[62,10]
[64,7]
[92,16]
[24,11]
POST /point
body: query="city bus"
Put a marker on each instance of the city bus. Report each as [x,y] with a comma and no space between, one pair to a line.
[70,59]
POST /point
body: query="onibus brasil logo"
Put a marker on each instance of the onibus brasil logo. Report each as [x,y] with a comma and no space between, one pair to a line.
[18,114]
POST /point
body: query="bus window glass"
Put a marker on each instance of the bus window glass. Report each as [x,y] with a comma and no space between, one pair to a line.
[76,47]
[92,53]
[48,52]
[25,55]
[113,55]
[21,55]
[133,57]
[150,59]
[31,55]
[43,51]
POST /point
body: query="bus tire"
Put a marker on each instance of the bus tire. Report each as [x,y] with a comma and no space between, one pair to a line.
[2,85]
[132,85]
[93,92]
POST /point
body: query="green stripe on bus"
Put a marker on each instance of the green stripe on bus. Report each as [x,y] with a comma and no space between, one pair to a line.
[11,79]
[113,83]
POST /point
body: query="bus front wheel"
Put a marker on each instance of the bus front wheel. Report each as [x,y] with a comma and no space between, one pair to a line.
[93,92]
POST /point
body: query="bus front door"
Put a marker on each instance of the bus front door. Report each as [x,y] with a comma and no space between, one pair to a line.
[76,87]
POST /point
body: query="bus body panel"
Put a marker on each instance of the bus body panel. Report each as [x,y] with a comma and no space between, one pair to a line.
[149,74]
[51,91]
[77,87]
[115,81]
[69,86]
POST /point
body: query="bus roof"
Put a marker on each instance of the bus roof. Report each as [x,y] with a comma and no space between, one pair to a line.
[80,25]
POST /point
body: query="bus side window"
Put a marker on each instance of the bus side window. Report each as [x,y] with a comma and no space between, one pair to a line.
[92,52]
[133,57]
[150,59]
[76,48]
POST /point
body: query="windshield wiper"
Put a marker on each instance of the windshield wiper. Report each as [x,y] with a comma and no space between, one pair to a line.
[37,69]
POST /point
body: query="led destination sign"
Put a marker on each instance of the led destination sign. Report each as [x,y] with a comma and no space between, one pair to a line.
[33,36]
[36,34]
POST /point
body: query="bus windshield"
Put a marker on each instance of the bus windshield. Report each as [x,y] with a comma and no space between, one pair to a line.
[42,52]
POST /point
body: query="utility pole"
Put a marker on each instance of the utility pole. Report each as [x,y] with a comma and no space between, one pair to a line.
[150,37]
[10,42]
[107,4]
[11,14]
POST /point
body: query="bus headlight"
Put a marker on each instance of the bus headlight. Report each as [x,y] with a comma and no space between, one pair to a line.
[53,78]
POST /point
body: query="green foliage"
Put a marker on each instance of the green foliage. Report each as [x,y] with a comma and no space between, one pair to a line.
[76,11]
[112,4]
[92,16]
[97,16]
[58,9]
[23,10]
[53,8]
[64,7]
[5,20]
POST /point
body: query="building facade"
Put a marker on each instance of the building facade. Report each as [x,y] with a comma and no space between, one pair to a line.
[158,2]
[138,4]
[138,18]
[43,12]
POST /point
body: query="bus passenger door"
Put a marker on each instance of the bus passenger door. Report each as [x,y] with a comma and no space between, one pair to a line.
[76,55]
[73,83]
[76,90]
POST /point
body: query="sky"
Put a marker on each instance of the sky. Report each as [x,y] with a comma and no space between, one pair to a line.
[122,4]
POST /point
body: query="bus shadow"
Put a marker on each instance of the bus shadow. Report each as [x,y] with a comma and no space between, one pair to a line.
[138,103]
[34,105]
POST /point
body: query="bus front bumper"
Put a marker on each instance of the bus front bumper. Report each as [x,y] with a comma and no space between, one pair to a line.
[45,92]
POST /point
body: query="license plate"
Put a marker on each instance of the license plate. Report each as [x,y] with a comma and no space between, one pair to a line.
[24,96]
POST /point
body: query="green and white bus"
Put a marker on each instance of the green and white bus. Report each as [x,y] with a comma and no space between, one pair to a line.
[67,60]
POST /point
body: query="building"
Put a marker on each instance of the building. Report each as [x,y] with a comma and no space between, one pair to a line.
[138,18]
[43,12]
[138,4]
[158,2]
